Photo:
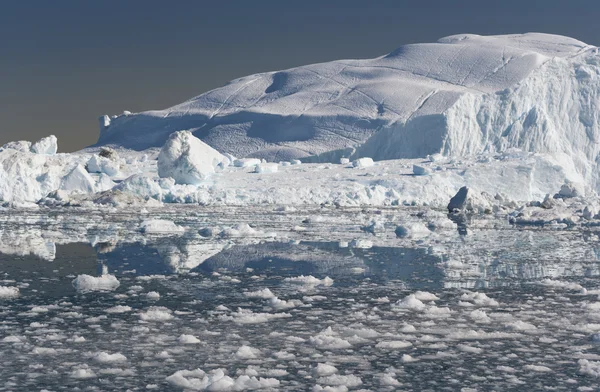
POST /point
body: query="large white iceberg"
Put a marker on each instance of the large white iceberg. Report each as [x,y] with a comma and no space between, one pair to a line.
[460,96]
[187,159]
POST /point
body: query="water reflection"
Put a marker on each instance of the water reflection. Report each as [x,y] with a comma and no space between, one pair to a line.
[484,258]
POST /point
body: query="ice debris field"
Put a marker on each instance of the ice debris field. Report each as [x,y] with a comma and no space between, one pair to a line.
[425,220]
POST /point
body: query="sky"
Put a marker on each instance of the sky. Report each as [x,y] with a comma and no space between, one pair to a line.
[63,63]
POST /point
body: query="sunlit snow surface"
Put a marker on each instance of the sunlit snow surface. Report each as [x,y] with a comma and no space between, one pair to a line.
[295,299]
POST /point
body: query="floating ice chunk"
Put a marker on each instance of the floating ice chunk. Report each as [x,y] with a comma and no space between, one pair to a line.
[362,163]
[118,309]
[247,352]
[589,368]
[329,340]
[310,280]
[8,292]
[521,325]
[393,345]
[188,339]
[86,283]
[158,226]
[425,296]
[348,381]
[47,146]
[153,296]
[344,161]
[537,368]
[323,369]
[266,168]
[82,373]
[13,339]
[264,294]
[246,162]
[157,313]
[469,349]
[216,380]
[187,159]
[246,316]
[280,304]
[479,299]
[79,181]
[410,302]
[103,357]
[419,170]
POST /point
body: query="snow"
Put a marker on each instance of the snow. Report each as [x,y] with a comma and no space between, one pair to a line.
[187,159]
[86,283]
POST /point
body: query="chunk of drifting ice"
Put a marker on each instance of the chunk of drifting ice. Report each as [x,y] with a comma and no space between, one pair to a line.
[156,313]
[86,283]
[153,296]
[410,302]
[323,369]
[310,280]
[362,163]
[247,352]
[187,159]
[188,339]
[344,161]
[246,162]
[78,180]
[103,357]
[154,226]
[419,170]
[266,168]
[216,380]
[8,292]
[47,146]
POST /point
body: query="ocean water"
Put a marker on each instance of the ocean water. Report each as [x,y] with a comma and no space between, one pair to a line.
[485,306]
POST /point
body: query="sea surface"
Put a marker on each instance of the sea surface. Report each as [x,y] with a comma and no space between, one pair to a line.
[478,305]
